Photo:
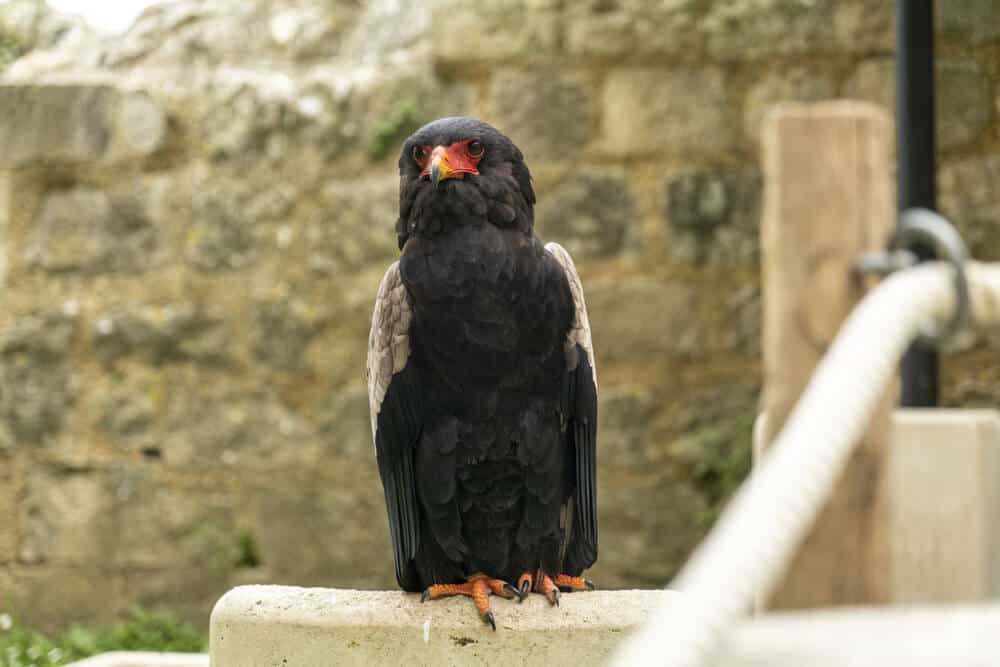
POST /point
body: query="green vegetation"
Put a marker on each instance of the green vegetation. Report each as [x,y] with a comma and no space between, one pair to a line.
[140,631]
[717,457]
[389,132]
[10,49]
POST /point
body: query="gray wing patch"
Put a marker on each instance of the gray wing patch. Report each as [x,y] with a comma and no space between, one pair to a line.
[579,331]
[389,340]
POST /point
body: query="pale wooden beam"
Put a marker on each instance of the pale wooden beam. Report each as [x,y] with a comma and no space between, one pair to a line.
[828,198]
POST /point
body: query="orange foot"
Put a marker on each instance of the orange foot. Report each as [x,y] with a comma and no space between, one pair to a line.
[549,587]
[478,587]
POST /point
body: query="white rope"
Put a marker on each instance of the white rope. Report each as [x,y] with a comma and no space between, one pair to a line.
[764,524]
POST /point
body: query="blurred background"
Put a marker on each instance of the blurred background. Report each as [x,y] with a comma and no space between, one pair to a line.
[196,209]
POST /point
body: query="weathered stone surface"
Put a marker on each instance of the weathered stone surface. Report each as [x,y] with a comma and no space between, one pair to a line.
[968,21]
[36,26]
[37,387]
[970,198]
[651,519]
[87,230]
[54,124]
[10,490]
[631,29]
[343,423]
[714,215]
[341,506]
[152,517]
[964,103]
[742,316]
[590,214]
[660,111]
[874,81]
[759,29]
[797,83]
[223,32]
[314,626]
[64,519]
[284,328]
[354,226]
[220,240]
[161,334]
[501,30]
[48,598]
[624,330]
[545,112]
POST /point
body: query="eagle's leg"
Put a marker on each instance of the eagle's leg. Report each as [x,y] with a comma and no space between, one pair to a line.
[478,587]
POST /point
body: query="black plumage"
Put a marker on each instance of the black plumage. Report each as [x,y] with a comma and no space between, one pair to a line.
[483,393]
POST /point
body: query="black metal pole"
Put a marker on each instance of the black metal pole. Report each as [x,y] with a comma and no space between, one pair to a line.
[916,185]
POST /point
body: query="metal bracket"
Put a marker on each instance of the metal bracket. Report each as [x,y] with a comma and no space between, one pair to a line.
[923,227]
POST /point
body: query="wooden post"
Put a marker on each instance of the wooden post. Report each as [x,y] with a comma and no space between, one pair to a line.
[828,197]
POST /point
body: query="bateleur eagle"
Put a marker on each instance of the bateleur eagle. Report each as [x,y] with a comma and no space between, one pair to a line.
[481,379]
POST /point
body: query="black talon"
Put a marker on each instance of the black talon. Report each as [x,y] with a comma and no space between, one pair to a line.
[514,593]
[425,596]
[589,585]
[555,597]
[489,619]
[525,589]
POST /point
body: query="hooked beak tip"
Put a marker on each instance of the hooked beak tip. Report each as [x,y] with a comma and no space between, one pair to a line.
[436,172]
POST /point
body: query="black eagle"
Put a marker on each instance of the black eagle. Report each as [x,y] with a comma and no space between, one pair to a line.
[481,380]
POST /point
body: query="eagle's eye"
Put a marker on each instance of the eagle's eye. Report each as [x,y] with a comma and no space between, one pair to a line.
[420,154]
[475,149]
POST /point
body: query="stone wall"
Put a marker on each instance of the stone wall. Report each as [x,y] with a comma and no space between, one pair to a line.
[194,217]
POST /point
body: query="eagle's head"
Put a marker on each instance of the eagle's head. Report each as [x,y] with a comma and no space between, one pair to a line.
[460,170]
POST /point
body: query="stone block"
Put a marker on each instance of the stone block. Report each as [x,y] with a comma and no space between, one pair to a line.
[494,30]
[945,478]
[48,598]
[969,195]
[631,29]
[795,84]
[10,490]
[37,386]
[874,81]
[65,519]
[67,124]
[964,103]
[676,112]
[963,96]
[254,626]
[713,215]
[161,334]
[742,30]
[87,230]
[590,214]
[968,21]
[624,330]
[340,506]
[547,113]
[353,225]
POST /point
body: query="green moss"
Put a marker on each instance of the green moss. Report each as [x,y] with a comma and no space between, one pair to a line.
[10,48]
[141,630]
[716,449]
[390,131]
[249,554]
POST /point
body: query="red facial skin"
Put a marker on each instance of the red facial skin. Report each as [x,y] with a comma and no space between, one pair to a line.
[455,160]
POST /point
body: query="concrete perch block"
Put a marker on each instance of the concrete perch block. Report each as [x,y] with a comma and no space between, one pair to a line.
[258,626]
[945,478]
